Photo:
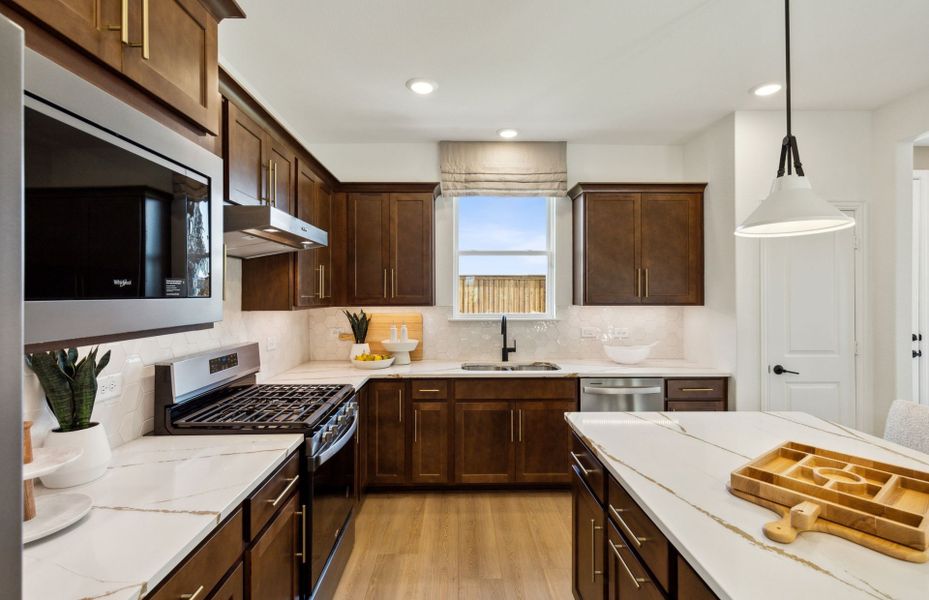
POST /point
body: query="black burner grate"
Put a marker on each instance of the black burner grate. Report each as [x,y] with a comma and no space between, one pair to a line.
[268,406]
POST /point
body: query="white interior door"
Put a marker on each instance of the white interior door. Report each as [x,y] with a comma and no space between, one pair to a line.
[809,312]
[920,279]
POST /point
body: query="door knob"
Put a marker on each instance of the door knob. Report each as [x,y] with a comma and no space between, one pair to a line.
[780,370]
[917,353]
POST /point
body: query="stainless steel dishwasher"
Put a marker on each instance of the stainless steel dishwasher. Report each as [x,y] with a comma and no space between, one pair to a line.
[622,395]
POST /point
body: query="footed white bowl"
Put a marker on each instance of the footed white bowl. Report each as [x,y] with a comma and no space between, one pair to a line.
[400,350]
[628,355]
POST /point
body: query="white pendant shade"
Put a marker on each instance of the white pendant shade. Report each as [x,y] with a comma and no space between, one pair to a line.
[793,208]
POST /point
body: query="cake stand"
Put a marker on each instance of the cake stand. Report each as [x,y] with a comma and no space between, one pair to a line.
[400,350]
[53,512]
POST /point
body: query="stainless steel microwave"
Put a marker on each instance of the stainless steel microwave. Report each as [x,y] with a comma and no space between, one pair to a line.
[122,221]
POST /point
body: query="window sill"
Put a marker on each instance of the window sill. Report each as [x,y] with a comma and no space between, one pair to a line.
[496,318]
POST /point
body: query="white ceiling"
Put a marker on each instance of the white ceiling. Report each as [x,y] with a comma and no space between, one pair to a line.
[596,71]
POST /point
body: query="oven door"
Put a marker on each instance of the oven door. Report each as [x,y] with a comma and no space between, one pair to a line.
[332,496]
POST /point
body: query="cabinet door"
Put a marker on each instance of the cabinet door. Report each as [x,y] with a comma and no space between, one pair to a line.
[87,23]
[386,433]
[234,586]
[610,248]
[485,434]
[543,441]
[430,442]
[283,177]
[368,232]
[273,564]
[173,54]
[324,255]
[626,576]
[672,248]
[690,585]
[588,543]
[247,147]
[306,276]
[411,221]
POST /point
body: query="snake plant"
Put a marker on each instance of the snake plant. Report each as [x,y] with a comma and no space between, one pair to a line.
[70,384]
[359,325]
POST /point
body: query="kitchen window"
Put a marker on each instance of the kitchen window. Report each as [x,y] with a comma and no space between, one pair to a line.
[503,257]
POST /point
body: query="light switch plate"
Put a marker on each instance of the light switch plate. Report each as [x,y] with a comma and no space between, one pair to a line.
[589,332]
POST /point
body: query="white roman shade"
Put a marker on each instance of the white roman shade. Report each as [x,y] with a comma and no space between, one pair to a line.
[504,168]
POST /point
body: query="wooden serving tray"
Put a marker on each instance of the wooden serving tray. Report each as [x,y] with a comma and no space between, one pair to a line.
[878,505]
[379,330]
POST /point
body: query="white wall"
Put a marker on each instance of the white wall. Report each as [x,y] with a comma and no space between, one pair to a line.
[608,162]
[895,126]
[710,330]
[834,146]
[921,158]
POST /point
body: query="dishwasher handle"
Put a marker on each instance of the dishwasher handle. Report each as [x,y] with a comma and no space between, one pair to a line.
[622,391]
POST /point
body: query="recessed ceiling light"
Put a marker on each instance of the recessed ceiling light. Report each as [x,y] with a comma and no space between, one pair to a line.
[422,86]
[766,89]
[507,133]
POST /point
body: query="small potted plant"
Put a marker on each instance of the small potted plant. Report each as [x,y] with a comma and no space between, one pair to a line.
[70,387]
[359,324]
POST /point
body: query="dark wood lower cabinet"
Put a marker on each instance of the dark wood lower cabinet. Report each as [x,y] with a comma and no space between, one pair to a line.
[429,462]
[273,563]
[387,462]
[689,584]
[484,436]
[588,564]
[626,576]
[543,438]
[234,586]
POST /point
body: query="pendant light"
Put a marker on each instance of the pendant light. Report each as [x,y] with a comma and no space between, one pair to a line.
[792,208]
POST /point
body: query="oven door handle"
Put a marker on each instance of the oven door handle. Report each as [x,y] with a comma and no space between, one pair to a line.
[317,461]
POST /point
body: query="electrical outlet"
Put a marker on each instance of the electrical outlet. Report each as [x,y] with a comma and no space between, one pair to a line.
[110,387]
[271,344]
[589,332]
[334,333]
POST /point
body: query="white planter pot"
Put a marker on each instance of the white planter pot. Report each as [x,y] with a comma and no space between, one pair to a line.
[359,349]
[91,465]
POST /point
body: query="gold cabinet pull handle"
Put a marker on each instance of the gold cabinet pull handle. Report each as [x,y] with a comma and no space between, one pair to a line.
[637,539]
[145,20]
[432,390]
[520,425]
[193,596]
[302,554]
[123,27]
[646,282]
[637,581]
[320,293]
[322,287]
[593,550]
[511,425]
[415,425]
[580,465]
[638,282]
[385,283]
[697,389]
[292,481]
[268,192]
[400,404]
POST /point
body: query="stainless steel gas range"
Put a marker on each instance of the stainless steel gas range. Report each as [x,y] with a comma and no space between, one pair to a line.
[215,392]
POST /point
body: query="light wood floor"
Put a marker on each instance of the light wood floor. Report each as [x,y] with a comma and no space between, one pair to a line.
[461,545]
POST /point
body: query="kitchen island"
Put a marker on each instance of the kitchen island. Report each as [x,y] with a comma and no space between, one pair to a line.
[676,468]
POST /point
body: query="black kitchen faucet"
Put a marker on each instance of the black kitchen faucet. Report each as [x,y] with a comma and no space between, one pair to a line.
[506,349]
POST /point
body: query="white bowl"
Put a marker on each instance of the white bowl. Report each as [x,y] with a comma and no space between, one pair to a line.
[373,364]
[628,355]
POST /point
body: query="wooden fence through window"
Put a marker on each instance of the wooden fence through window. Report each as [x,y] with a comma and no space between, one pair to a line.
[501,294]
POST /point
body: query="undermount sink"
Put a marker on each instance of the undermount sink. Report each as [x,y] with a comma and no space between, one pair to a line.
[535,366]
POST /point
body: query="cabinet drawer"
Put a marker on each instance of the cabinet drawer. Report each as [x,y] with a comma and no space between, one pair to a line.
[643,535]
[234,586]
[588,468]
[429,389]
[207,565]
[696,389]
[627,577]
[272,495]
[515,389]
[695,405]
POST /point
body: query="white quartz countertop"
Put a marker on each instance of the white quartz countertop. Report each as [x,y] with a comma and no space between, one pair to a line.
[677,466]
[344,372]
[160,498]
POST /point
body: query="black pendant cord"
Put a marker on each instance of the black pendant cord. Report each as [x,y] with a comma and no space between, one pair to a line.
[790,154]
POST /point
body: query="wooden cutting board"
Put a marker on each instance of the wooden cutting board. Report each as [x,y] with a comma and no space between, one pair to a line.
[881,506]
[379,329]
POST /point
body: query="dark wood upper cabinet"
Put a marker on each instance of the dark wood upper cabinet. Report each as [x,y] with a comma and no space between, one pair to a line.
[411,251]
[246,150]
[390,248]
[387,461]
[368,248]
[167,47]
[283,168]
[273,562]
[638,244]
[429,463]
[543,441]
[485,433]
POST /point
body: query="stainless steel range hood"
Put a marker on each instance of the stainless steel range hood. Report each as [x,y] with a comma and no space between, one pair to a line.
[253,231]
